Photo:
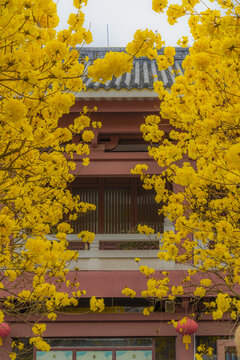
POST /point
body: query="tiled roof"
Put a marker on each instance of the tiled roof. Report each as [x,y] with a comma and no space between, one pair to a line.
[142,76]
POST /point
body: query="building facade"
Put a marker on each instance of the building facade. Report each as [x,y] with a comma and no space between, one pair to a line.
[107,266]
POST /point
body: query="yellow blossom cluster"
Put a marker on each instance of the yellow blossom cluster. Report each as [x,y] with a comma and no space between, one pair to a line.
[96,304]
[39,343]
[199,291]
[151,129]
[156,288]
[38,329]
[114,64]
[138,170]
[129,292]
[86,236]
[203,349]
[183,42]
[145,43]
[159,5]
[144,229]
[12,355]
[146,270]
[148,310]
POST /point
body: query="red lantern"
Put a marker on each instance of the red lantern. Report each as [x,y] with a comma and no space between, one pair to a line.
[4,330]
[186,327]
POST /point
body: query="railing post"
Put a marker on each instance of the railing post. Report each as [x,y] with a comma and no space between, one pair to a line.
[94,261]
[168,225]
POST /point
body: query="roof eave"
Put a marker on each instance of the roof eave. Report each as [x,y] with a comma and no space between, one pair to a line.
[140,94]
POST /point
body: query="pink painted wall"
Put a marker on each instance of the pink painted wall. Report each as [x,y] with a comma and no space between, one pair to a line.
[116,325]
[111,283]
[117,117]
[105,105]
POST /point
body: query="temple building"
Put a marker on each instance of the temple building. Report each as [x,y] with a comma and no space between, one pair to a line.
[107,266]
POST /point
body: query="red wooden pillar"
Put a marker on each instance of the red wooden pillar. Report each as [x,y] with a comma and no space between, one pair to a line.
[181,352]
[5,349]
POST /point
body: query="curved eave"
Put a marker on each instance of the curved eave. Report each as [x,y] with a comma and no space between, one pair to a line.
[121,94]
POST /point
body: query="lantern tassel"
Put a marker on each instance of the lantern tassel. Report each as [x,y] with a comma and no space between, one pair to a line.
[186,340]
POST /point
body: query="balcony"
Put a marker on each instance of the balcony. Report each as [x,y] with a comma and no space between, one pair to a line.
[102,254]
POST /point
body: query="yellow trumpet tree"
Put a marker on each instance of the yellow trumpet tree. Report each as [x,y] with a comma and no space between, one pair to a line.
[39,72]
[200,156]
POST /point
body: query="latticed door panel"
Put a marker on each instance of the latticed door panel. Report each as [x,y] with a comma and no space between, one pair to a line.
[121,204]
[117,201]
[147,210]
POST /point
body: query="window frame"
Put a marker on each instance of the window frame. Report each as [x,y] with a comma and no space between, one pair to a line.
[134,184]
[222,346]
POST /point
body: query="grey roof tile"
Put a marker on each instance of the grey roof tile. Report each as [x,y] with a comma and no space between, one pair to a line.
[136,68]
[142,76]
[127,79]
[171,73]
[164,74]
[146,80]
[154,71]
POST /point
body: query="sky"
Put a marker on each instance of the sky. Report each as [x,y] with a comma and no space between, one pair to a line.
[123,18]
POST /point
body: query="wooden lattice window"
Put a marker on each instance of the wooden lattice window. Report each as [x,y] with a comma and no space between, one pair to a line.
[122,204]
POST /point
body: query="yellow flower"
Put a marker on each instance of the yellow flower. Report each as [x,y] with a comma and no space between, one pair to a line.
[52,316]
[200,292]
[148,310]
[169,51]
[144,229]
[144,43]
[161,292]
[114,64]
[20,346]
[159,5]
[85,161]
[201,61]
[38,329]
[206,282]
[217,314]
[86,236]
[129,292]
[138,169]
[183,42]
[146,270]
[87,135]
[96,304]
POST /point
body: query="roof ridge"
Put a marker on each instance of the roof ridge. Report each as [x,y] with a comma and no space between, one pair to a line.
[97,52]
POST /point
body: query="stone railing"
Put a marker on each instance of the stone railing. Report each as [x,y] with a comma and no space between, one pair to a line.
[98,257]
